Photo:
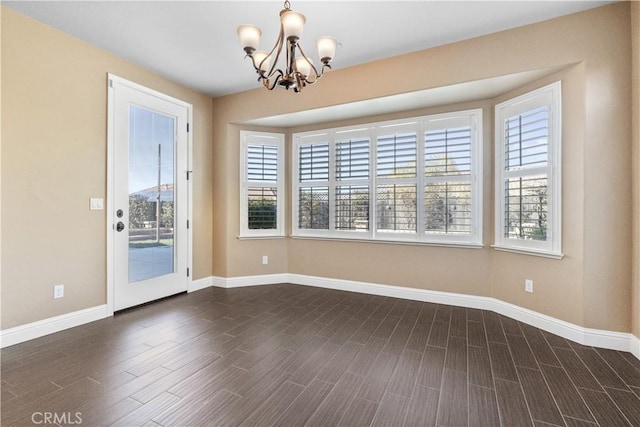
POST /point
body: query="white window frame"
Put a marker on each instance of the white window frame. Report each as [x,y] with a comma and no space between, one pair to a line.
[270,139]
[550,96]
[373,130]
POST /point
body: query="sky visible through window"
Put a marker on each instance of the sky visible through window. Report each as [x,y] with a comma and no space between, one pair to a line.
[527,135]
[147,130]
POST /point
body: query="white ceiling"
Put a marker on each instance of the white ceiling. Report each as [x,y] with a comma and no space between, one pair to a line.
[195,43]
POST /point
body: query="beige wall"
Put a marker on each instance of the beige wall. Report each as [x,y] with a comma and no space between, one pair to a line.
[591,286]
[54,113]
[635,114]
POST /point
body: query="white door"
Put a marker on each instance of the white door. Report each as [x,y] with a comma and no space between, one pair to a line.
[148,194]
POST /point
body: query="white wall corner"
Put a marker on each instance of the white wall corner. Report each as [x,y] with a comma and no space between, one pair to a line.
[196,285]
[219,282]
[635,346]
[608,339]
[22,333]
[542,321]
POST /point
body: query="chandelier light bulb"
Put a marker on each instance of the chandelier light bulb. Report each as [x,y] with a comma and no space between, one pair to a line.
[326,48]
[303,66]
[249,37]
[259,60]
[293,24]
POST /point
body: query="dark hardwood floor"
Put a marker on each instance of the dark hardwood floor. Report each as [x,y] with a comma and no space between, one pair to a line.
[291,355]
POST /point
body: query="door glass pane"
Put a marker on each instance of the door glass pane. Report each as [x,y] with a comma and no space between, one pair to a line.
[151,194]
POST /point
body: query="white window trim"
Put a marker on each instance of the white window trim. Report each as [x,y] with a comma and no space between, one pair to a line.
[550,95]
[419,124]
[261,138]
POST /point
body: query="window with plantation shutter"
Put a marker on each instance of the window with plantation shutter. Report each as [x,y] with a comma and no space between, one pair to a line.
[352,154]
[528,178]
[396,178]
[312,195]
[261,184]
[451,198]
[413,180]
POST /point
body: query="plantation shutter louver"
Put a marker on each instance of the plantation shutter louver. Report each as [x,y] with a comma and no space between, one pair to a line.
[314,162]
[526,139]
[396,156]
[448,152]
[352,159]
[262,163]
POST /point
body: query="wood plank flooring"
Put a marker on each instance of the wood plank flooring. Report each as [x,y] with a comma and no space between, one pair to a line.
[288,355]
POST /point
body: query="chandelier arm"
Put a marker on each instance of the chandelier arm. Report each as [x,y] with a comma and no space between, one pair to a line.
[324,67]
[311,82]
[276,47]
[318,75]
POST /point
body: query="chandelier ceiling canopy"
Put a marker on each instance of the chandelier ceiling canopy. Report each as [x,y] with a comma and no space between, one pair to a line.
[298,70]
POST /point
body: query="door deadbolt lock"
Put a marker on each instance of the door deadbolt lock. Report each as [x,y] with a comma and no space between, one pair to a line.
[119,226]
[119,213]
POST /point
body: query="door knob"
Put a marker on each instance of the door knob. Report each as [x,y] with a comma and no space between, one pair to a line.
[120,226]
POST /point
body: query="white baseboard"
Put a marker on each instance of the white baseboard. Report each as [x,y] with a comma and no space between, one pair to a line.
[415,294]
[586,336]
[48,326]
[242,281]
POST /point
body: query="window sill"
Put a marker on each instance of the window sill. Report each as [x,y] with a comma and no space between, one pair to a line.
[533,252]
[393,242]
[266,237]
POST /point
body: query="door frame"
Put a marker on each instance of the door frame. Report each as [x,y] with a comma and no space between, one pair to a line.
[110,202]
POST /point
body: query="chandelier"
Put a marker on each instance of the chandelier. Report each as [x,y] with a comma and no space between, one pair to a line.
[298,71]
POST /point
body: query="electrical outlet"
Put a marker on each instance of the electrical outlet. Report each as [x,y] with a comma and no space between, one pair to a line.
[265,260]
[58,291]
[528,285]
